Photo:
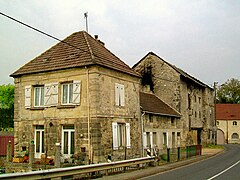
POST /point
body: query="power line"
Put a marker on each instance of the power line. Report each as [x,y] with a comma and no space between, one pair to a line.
[46,34]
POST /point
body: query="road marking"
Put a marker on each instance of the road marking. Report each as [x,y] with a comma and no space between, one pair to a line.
[224,171]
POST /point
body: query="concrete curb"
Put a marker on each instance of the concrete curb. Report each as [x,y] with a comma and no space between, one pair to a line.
[162,168]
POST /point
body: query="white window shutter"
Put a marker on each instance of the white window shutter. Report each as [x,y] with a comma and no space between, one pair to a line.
[117,94]
[128,136]
[151,139]
[122,95]
[54,94]
[167,138]
[27,96]
[76,92]
[47,95]
[144,139]
[115,138]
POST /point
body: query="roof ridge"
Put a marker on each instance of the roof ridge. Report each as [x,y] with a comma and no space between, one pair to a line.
[88,45]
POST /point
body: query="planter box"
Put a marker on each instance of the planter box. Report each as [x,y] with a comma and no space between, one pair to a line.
[17,160]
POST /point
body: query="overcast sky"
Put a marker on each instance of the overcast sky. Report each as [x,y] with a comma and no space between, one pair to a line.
[202,37]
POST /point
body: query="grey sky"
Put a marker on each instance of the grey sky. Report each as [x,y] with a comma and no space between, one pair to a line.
[201,37]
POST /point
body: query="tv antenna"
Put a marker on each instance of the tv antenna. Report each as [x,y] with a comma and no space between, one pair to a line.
[86,16]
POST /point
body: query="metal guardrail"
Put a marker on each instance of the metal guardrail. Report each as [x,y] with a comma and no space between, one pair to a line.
[70,171]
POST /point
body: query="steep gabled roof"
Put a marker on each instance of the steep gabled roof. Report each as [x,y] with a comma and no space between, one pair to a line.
[77,50]
[228,111]
[182,73]
[152,104]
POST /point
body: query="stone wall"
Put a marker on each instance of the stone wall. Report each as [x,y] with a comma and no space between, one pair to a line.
[193,101]
[228,128]
[97,109]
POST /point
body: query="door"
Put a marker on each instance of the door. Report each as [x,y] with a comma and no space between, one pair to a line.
[68,141]
[39,141]
[220,137]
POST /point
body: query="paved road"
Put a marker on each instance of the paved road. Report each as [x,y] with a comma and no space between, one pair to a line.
[223,166]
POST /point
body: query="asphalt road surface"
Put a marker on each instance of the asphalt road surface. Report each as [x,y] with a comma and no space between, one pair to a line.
[225,166]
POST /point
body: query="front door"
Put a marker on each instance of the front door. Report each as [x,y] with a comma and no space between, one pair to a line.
[39,141]
[68,141]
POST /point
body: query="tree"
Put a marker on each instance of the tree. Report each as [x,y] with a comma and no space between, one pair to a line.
[229,92]
[6,106]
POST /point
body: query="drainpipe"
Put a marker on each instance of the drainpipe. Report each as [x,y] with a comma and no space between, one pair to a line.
[88,104]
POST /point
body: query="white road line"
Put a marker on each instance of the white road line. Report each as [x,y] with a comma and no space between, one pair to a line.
[224,171]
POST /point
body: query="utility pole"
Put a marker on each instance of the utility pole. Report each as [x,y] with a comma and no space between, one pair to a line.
[86,16]
[215,102]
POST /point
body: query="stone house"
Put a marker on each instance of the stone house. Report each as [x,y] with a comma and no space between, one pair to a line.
[228,123]
[82,96]
[161,127]
[190,97]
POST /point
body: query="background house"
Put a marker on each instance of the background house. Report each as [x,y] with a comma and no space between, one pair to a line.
[190,97]
[79,94]
[161,123]
[228,123]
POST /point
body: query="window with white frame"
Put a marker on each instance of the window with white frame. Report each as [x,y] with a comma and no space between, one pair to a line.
[39,141]
[234,123]
[38,96]
[67,93]
[71,93]
[119,95]
[68,140]
[121,135]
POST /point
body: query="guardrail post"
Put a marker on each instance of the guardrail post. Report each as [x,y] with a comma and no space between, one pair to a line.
[31,154]
[168,154]
[9,151]
[57,155]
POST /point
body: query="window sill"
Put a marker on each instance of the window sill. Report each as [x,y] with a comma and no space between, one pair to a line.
[66,106]
[37,108]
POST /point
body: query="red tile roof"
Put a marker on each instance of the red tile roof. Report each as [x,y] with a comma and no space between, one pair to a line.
[227,111]
[152,104]
[77,50]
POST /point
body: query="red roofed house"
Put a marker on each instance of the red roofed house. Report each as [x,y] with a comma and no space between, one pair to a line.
[228,123]
[79,94]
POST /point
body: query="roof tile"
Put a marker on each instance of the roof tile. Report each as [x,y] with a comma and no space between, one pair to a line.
[227,111]
[150,103]
[77,50]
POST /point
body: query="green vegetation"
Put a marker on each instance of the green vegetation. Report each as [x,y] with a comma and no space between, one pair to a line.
[6,107]
[229,92]
[213,146]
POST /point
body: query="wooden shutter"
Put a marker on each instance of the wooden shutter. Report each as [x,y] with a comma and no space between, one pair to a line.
[54,94]
[122,95]
[144,139]
[115,138]
[151,139]
[128,136]
[76,92]
[47,95]
[27,96]
[117,94]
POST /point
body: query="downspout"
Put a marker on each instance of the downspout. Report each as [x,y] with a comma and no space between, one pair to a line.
[88,123]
